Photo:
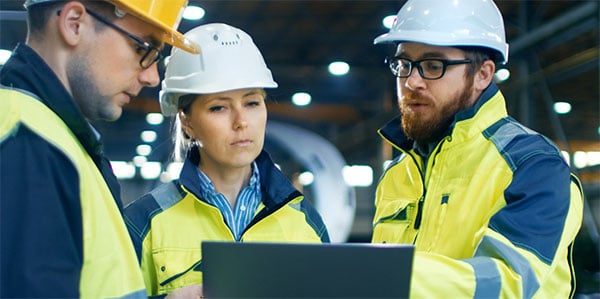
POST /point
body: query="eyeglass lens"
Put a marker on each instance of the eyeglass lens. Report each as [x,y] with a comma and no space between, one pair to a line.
[149,53]
[428,68]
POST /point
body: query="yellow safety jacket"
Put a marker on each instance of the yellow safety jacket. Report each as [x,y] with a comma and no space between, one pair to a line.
[109,268]
[492,211]
[168,224]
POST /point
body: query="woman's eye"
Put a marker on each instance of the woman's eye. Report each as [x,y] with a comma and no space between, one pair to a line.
[253,103]
[215,108]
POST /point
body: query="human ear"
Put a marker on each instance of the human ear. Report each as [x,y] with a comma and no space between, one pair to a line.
[70,21]
[186,126]
[485,74]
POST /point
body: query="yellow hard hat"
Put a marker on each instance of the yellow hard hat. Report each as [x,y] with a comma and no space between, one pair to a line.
[164,14]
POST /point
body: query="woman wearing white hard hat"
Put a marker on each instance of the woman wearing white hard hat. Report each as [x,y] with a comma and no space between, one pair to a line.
[229,189]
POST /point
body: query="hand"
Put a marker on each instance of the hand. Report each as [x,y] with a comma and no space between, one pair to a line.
[187,292]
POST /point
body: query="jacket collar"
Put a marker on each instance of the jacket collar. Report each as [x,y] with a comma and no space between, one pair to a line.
[275,188]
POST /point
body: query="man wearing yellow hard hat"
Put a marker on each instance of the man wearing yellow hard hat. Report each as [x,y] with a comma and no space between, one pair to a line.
[62,233]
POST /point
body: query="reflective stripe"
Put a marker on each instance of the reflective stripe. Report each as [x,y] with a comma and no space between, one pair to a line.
[503,135]
[493,248]
[487,278]
[166,195]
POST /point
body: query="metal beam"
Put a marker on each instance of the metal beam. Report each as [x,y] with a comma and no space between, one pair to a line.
[588,9]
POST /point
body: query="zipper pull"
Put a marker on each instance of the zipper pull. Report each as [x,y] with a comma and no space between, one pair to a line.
[419,212]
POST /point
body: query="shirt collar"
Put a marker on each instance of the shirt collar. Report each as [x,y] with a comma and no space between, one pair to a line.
[207,189]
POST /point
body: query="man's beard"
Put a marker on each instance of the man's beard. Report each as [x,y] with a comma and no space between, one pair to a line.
[425,130]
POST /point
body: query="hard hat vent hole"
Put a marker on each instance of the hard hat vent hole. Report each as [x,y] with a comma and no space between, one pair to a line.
[229,43]
[215,37]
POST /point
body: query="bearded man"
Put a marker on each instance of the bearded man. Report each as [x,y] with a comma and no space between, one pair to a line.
[490,205]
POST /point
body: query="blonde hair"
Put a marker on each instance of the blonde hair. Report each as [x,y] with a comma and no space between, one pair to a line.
[182,143]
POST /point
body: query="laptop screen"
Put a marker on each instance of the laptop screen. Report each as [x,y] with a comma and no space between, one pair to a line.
[293,270]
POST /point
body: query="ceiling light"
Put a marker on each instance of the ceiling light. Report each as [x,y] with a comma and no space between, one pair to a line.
[148,136]
[562,107]
[301,99]
[4,56]
[358,175]
[193,13]
[174,169]
[389,21]
[338,68]
[139,160]
[502,75]
[123,170]
[143,150]
[306,178]
[154,118]
[151,170]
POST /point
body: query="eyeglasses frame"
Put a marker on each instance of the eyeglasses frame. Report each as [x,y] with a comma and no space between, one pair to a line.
[417,64]
[147,47]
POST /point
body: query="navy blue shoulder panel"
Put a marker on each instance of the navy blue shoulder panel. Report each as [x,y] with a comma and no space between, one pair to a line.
[538,197]
[138,214]
[313,218]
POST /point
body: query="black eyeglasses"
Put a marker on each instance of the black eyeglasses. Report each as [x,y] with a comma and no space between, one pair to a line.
[429,68]
[150,54]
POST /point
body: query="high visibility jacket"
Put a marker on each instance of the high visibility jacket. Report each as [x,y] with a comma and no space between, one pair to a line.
[108,267]
[492,213]
[168,224]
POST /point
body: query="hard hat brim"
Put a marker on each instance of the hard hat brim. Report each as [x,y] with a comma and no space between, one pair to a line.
[436,39]
[170,35]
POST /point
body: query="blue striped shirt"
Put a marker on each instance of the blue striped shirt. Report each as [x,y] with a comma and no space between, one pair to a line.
[246,204]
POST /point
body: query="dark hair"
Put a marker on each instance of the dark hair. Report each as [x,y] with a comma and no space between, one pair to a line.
[478,55]
[39,14]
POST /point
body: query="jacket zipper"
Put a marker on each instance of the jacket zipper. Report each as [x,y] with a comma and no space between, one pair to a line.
[421,203]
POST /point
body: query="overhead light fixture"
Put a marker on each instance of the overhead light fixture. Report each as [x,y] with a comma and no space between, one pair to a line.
[151,170]
[339,68]
[154,118]
[389,21]
[4,56]
[143,150]
[174,169]
[139,160]
[123,170]
[583,159]
[193,13]
[502,75]
[306,178]
[301,98]
[148,136]
[358,175]
[562,107]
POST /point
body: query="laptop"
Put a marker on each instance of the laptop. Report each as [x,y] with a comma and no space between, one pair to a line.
[293,270]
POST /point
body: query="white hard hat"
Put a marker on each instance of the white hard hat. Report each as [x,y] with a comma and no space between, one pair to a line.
[229,60]
[470,23]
